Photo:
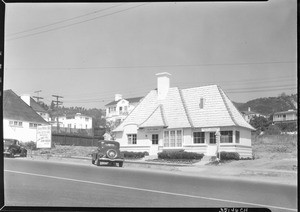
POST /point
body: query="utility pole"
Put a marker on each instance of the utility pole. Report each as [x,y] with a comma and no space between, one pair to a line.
[57,102]
[38,97]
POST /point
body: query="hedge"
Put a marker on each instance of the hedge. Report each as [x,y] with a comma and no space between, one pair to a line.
[230,156]
[134,155]
[180,155]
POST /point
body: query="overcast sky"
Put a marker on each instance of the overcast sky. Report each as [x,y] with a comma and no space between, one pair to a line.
[89,52]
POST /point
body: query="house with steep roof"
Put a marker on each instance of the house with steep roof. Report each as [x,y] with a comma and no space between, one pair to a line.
[20,121]
[192,119]
[36,107]
[117,110]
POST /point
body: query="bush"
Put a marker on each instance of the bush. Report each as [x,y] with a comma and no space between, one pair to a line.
[30,145]
[273,130]
[230,156]
[134,155]
[180,155]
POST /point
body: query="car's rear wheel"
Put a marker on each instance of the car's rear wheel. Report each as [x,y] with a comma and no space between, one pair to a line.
[120,164]
[93,161]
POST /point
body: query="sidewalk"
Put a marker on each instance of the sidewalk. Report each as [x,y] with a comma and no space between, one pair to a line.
[200,170]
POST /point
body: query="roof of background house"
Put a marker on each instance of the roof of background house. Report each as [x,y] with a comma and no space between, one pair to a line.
[15,108]
[130,100]
[250,112]
[285,112]
[36,106]
[180,109]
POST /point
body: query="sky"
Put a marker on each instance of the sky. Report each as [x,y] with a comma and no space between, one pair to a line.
[88,52]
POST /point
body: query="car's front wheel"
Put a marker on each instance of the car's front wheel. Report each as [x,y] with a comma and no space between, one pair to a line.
[120,164]
[98,162]
[11,154]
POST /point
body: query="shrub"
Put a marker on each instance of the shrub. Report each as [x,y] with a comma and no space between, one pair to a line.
[230,156]
[134,155]
[273,130]
[180,155]
[30,145]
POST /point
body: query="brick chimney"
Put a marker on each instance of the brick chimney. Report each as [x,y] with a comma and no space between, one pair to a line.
[163,85]
[118,97]
[26,98]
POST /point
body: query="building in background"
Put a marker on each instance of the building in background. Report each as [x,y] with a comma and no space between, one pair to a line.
[20,120]
[285,116]
[248,115]
[118,110]
[35,106]
[77,121]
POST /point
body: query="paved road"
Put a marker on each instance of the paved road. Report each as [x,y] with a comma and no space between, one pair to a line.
[45,183]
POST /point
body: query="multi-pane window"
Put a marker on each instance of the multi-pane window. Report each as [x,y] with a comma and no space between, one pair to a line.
[173,138]
[212,138]
[237,136]
[16,123]
[32,125]
[199,137]
[86,119]
[154,138]
[226,136]
[131,138]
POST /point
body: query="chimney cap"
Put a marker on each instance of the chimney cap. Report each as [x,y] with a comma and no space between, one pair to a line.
[163,74]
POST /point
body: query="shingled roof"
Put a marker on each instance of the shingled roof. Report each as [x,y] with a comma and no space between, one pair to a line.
[180,109]
[15,108]
[35,106]
[130,100]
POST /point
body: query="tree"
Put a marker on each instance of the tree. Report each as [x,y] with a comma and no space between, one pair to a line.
[260,123]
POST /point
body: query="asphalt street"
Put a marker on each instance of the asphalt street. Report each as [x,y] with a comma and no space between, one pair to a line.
[48,183]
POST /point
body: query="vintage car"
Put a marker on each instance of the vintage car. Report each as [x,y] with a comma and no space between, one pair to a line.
[109,152]
[12,148]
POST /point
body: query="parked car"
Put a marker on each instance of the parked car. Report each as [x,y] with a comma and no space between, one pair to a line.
[12,147]
[108,151]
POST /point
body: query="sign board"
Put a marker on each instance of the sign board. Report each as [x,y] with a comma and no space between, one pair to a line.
[215,129]
[43,136]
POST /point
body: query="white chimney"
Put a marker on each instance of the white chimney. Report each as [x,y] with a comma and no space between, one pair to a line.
[118,97]
[26,98]
[163,84]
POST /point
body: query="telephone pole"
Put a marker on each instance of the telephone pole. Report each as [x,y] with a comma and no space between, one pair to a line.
[38,97]
[57,102]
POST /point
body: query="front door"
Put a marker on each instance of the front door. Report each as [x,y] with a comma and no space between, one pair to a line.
[154,144]
[212,145]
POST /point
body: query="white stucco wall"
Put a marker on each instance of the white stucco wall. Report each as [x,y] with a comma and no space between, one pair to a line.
[79,121]
[23,134]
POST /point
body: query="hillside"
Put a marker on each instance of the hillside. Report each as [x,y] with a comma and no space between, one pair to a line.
[269,105]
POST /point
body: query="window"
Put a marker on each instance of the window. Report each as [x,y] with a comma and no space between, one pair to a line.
[226,137]
[131,138]
[237,137]
[199,137]
[74,126]
[201,104]
[11,122]
[69,126]
[32,125]
[173,138]
[154,139]
[86,119]
[120,109]
[125,108]
[212,138]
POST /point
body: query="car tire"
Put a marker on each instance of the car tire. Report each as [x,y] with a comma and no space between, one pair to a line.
[11,155]
[120,164]
[93,161]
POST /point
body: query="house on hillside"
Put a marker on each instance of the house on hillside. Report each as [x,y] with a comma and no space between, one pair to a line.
[248,115]
[285,116]
[35,106]
[20,121]
[192,119]
[75,121]
[118,110]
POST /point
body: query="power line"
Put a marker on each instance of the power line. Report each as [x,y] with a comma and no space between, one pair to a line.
[77,22]
[157,66]
[62,21]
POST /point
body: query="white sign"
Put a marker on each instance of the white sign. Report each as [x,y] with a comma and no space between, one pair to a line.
[210,129]
[43,136]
